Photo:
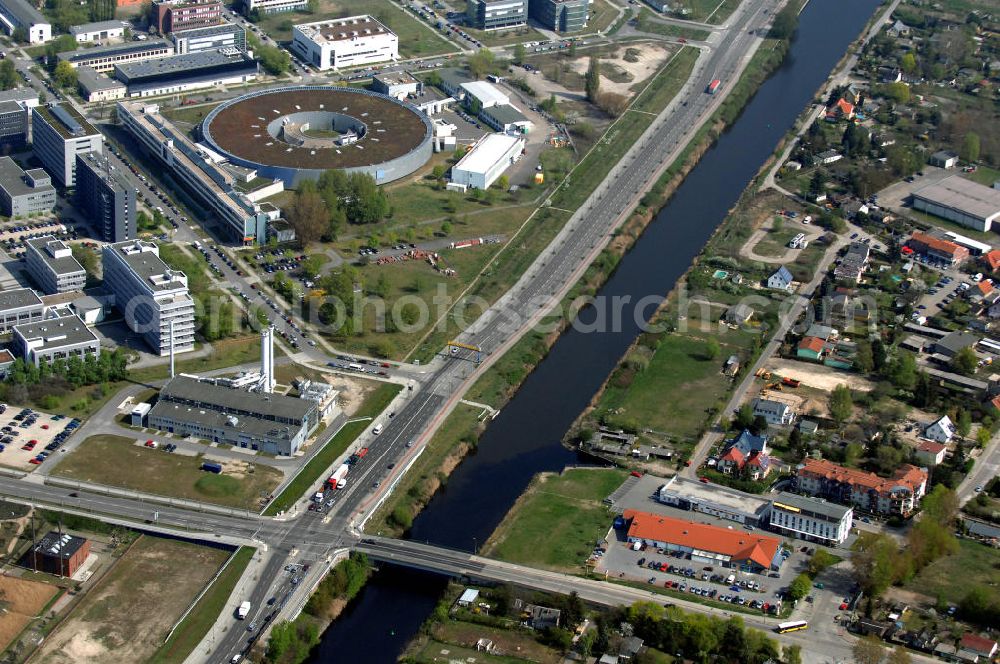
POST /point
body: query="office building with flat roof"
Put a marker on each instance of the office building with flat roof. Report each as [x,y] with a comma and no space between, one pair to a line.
[98,87]
[26,96]
[55,339]
[271,423]
[191,71]
[561,15]
[104,58]
[150,294]
[345,42]
[226,35]
[811,519]
[275,6]
[13,126]
[496,14]
[23,14]
[98,31]
[106,197]
[51,264]
[176,15]
[245,222]
[19,306]
[24,193]
[60,133]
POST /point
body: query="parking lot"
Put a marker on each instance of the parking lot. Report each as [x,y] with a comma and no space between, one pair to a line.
[28,437]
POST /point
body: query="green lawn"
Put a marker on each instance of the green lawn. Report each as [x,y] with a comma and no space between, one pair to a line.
[707,11]
[416,39]
[975,565]
[374,404]
[984,175]
[116,461]
[193,628]
[434,652]
[224,353]
[417,485]
[558,520]
[647,23]
[673,393]
[775,242]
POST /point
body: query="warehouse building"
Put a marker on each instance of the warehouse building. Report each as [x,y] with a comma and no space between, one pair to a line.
[106,197]
[24,193]
[227,35]
[58,553]
[811,519]
[22,14]
[51,264]
[13,127]
[183,73]
[98,87]
[275,6]
[345,42]
[898,495]
[271,423]
[959,200]
[480,95]
[506,118]
[487,160]
[398,85]
[18,307]
[176,15]
[561,15]
[703,543]
[55,339]
[61,133]
[150,295]
[245,222]
[104,58]
[98,32]
[496,14]
[715,500]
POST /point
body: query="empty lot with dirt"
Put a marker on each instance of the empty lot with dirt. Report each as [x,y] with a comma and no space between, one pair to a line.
[128,614]
[22,601]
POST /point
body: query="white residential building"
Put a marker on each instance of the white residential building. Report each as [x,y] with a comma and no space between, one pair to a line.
[487,160]
[150,295]
[775,412]
[346,42]
[941,431]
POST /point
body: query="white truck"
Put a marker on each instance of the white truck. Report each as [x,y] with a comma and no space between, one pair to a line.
[243,611]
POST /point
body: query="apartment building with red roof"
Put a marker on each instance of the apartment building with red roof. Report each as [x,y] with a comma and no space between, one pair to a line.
[945,250]
[705,543]
[897,495]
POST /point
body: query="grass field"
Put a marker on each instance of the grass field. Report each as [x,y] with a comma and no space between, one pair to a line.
[557,521]
[374,404]
[680,368]
[117,461]
[417,485]
[466,634]
[645,22]
[416,39]
[433,652]
[127,615]
[775,242]
[977,565]
[225,353]
[201,618]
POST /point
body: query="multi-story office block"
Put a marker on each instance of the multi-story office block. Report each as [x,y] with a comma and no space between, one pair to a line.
[150,294]
[13,126]
[55,339]
[61,133]
[106,197]
[496,14]
[19,306]
[345,42]
[561,15]
[24,193]
[51,264]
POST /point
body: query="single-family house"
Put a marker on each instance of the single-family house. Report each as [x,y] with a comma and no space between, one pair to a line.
[811,348]
[829,157]
[930,452]
[732,365]
[953,342]
[941,431]
[808,427]
[978,645]
[775,412]
[841,110]
[745,455]
[890,74]
[992,259]
[738,314]
[853,208]
[899,29]
[781,279]
[944,159]
[820,331]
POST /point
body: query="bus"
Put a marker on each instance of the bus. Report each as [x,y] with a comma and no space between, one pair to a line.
[792,626]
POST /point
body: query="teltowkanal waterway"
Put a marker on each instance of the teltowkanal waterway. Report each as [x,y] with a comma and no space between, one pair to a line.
[525,438]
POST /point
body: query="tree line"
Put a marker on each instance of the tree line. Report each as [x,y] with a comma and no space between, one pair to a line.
[319,210]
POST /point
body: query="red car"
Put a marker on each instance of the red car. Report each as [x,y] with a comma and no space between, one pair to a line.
[150,443]
[636,473]
[687,463]
[362,452]
[34,462]
[703,480]
[45,426]
[843,606]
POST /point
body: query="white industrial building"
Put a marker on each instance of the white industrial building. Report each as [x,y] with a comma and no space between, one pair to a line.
[55,339]
[23,14]
[346,42]
[715,500]
[811,519]
[480,95]
[98,32]
[150,295]
[959,200]
[487,160]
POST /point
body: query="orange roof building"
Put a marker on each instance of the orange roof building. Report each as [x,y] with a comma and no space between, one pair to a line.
[993,260]
[842,110]
[705,543]
[922,243]
[896,495]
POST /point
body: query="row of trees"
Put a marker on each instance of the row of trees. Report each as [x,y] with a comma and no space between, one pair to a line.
[320,209]
[110,366]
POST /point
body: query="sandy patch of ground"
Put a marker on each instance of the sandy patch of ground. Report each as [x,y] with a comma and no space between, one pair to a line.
[649,59]
[352,393]
[21,601]
[819,376]
[125,618]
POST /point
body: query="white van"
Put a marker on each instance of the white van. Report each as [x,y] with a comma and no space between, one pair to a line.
[377,430]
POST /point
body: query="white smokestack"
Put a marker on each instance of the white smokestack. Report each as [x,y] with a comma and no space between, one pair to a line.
[171,324]
[267,359]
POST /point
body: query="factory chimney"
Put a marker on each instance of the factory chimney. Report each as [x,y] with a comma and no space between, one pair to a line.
[267,359]
[171,323]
